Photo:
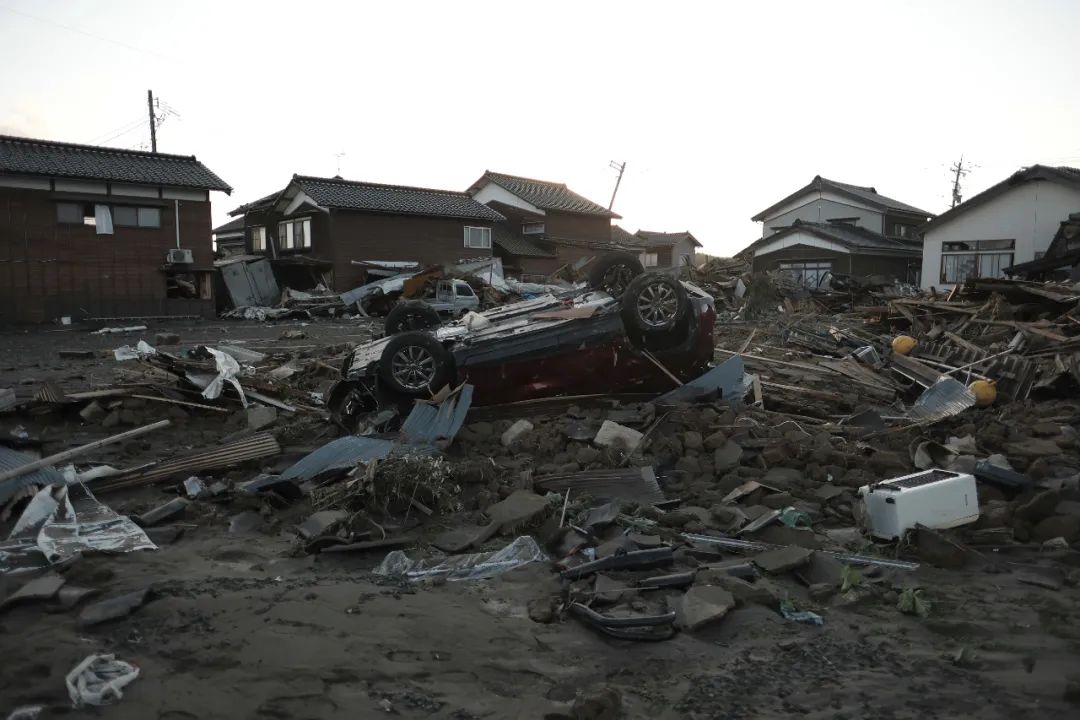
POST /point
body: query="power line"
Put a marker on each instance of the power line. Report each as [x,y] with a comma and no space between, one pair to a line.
[126,127]
[118,43]
[132,129]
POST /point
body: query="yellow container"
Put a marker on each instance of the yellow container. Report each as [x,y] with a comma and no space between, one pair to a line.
[903,344]
[985,392]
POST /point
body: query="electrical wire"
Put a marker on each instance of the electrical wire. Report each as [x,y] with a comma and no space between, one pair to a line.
[100,38]
[118,129]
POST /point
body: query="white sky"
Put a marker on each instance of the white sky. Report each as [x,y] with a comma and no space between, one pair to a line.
[720,109]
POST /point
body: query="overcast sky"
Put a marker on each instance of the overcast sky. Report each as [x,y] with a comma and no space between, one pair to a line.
[719,109]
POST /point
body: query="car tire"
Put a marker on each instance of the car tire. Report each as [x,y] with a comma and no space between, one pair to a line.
[654,304]
[613,273]
[415,364]
[411,315]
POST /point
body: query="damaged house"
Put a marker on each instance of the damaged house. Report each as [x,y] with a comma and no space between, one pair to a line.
[330,230]
[547,225]
[1009,224]
[671,251]
[832,228]
[98,232]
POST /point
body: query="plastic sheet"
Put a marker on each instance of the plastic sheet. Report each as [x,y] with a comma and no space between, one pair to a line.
[477,566]
[99,680]
[126,352]
[228,369]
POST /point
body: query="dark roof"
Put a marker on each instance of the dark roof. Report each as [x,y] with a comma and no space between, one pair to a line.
[1061,174]
[652,238]
[543,194]
[27,156]
[503,235]
[850,236]
[393,199]
[624,237]
[260,204]
[867,195]
[233,226]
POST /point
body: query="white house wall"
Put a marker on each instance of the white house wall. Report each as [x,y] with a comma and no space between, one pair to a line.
[800,238]
[496,193]
[821,211]
[1029,214]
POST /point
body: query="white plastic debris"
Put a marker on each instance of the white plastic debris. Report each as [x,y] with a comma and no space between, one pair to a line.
[99,680]
[515,431]
[612,434]
[141,350]
[110,330]
[477,566]
[475,321]
[228,369]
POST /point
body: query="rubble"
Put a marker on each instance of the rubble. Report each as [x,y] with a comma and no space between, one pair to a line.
[734,504]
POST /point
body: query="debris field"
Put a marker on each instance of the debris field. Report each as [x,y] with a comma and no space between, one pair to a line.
[868,507]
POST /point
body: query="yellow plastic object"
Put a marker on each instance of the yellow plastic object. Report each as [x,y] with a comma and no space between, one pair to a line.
[903,344]
[985,392]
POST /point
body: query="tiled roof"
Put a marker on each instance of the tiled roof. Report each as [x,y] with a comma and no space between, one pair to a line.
[27,156]
[543,194]
[651,238]
[260,204]
[1061,174]
[233,226]
[850,236]
[503,235]
[624,237]
[393,199]
[867,195]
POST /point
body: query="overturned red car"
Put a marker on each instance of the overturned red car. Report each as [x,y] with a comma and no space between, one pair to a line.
[622,334]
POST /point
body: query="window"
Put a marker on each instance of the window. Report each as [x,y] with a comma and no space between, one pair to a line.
[532,228]
[650,259]
[258,238]
[75,214]
[149,217]
[809,273]
[145,217]
[901,230]
[961,261]
[477,237]
[465,291]
[294,234]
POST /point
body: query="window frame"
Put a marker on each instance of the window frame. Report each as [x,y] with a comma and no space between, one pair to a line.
[531,228]
[85,219]
[964,259]
[485,233]
[258,238]
[800,268]
[650,259]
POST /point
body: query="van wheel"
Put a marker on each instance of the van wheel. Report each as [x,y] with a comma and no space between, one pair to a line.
[411,315]
[415,364]
[654,303]
[612,273]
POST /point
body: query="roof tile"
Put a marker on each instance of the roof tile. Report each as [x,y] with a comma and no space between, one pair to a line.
[393,199]
[545,195]
[28,156]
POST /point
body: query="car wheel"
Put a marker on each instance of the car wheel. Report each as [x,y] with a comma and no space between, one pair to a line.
[613,273]
[654,303]
[411,315]
[415,364]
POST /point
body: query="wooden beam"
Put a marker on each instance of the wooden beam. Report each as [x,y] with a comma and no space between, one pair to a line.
[81,450]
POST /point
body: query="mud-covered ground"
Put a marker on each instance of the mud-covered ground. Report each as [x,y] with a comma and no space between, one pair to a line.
[244,624]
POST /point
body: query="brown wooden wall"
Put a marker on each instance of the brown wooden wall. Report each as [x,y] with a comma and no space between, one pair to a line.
[577,227]
[366,236]
[48,270]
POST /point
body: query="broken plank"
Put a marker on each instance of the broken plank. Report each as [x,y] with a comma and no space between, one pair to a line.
[185,403]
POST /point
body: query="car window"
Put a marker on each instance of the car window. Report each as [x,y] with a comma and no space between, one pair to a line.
[465,290]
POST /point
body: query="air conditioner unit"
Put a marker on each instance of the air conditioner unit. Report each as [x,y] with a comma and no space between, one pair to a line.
[932,498]
[179,256]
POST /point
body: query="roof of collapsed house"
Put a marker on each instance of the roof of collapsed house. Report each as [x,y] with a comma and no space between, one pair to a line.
[29,156]
[1061,174]
[232,227]
[850,236]
[543,194]
[867,195]
[505,237]
[652,238]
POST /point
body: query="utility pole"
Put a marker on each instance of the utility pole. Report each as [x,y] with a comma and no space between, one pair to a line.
[621,168]
[959,170]
[153,120]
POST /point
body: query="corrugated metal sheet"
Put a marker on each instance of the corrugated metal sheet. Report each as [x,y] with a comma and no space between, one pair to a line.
[341,453]
[12,459]
[728,380]
[257,446]
[943,399]
[636,484]
[437,425]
